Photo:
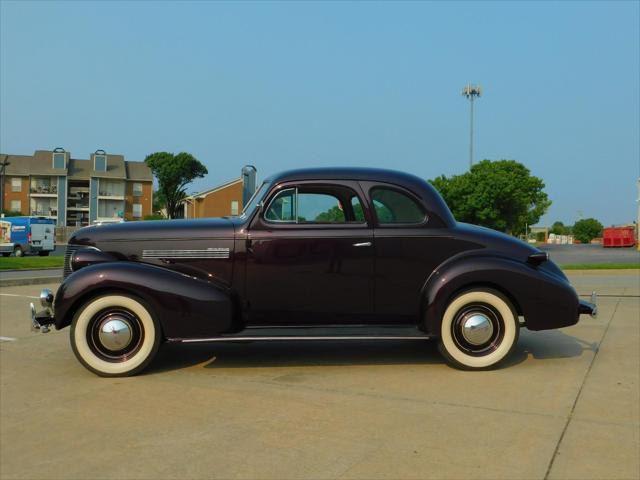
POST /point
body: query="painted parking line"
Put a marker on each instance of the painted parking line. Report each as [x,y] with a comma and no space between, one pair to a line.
[7,339]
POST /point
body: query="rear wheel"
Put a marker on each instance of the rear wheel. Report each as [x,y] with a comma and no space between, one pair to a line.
[479,329]
[18,252]
[115,335]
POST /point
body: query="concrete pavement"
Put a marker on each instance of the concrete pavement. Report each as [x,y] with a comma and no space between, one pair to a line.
[564,406]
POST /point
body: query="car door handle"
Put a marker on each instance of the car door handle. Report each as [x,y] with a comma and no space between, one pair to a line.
[362,244]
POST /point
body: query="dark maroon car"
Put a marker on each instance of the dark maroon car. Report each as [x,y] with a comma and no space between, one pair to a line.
[320,254]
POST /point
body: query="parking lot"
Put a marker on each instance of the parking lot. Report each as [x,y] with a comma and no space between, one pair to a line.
[565,405]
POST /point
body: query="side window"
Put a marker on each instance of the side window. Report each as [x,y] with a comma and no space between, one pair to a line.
[393,206]
[315,204]
[282,207]
[319,208]
[358,213]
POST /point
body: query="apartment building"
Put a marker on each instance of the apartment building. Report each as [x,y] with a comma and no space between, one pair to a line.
[77,192]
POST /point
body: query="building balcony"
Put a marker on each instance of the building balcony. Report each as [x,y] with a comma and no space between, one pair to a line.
[110,196]
[44,191]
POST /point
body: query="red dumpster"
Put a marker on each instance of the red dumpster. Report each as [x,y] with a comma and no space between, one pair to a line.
[618,237]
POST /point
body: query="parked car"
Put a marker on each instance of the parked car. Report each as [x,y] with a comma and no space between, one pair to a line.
[23,235]
[317,254]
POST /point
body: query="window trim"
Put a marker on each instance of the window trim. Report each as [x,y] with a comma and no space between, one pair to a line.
[405,192]
[133,210]
[134,193]
[19,186]
[19,203]
[95,157]
[278,188]
[273,199]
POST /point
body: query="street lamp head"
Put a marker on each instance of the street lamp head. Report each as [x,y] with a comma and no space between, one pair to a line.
[471,91]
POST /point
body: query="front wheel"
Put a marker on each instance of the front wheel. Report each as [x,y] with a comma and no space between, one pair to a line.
[479,329]
[18,252]
[115,335]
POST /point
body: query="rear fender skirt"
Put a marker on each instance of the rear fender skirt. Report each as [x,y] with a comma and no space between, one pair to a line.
[185,306]
[546,301]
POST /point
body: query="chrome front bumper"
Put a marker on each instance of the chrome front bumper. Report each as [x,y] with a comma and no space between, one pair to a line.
[589,308]
[40,321]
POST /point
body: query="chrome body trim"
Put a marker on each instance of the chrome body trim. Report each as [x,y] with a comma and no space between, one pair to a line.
[194,253]
[259,338]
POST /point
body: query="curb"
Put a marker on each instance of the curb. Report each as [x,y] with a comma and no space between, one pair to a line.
[14,282]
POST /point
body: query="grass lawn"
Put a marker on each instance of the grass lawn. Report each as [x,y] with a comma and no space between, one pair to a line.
[21,263]
[601,266]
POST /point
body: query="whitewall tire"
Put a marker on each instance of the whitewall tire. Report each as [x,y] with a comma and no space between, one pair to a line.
[479,329]
[115,335]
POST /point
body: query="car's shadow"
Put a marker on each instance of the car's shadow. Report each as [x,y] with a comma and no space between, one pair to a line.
[551,344]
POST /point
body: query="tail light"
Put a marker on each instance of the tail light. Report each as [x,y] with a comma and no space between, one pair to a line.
[29,237]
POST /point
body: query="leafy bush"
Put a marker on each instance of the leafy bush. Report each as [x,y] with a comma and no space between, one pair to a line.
[587,229]
[155,216]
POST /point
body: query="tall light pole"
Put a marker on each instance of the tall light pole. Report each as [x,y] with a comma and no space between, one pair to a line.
[471,92]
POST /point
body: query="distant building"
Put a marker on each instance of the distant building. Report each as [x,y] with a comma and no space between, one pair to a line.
[77,192]
[223,200]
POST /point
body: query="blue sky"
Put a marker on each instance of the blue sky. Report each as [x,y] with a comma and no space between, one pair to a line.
[281,85]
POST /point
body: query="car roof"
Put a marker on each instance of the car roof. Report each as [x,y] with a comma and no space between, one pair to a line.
[345,173]
[417,185]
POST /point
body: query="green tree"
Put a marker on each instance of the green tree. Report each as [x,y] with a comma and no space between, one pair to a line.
[502,195]
[158,202]
[560,228]
[174,173]
[587,229]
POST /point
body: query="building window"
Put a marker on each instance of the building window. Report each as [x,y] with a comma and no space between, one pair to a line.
[59,160]
[16,184]
[109,188]
[234,207]
[16,206]
[137,189]
[137,210]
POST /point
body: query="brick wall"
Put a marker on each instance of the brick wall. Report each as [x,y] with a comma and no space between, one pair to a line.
[145,199]
[22,195]
[216,204]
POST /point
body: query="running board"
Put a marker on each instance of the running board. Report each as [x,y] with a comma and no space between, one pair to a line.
[271,334]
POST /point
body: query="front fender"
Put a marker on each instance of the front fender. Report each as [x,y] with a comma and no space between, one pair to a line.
[185,306]
[546,301]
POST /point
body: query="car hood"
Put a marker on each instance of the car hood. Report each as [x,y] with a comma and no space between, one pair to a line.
[165,230]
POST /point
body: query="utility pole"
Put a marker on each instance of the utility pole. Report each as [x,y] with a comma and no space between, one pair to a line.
[471,92]
[3,166]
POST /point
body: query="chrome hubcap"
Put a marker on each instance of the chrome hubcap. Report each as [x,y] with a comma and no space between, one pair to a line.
[115,333]
[477,328]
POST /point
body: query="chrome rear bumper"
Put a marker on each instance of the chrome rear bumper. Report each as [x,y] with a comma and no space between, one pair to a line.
[40,321]
[589,308]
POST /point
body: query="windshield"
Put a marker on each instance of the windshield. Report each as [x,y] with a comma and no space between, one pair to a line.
[255,199]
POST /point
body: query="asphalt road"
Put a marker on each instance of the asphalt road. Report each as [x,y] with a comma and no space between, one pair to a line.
[564,406]
[574,254]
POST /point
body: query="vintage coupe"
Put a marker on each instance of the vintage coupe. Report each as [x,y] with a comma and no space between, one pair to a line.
[317,254]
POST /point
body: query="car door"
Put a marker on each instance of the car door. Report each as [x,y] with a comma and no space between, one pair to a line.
[404,252]
[310,256]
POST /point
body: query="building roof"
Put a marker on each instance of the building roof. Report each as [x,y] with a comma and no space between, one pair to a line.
[18,164]
[115,168]
[138,171]
[204,193]
[41,163]
[80,169]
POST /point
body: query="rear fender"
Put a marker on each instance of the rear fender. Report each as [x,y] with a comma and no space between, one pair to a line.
[185,306]
[546,301]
